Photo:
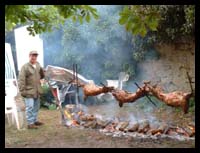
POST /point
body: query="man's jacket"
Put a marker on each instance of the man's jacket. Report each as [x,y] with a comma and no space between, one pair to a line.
[29,80]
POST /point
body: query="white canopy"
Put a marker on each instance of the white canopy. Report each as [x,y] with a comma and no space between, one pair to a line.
[63,75]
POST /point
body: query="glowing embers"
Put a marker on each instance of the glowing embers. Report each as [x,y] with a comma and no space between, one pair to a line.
[76,117]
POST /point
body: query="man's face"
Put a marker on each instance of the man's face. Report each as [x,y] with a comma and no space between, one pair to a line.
[33,58]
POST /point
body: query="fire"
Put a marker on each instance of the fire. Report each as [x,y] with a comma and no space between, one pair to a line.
[80,113]
[69,116]
[191,128]
[157,133]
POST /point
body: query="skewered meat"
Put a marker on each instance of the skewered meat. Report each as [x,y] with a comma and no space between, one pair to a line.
[124,97]
[174,99]
[91,89]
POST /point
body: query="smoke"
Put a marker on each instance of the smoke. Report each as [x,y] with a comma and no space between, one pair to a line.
[101,48]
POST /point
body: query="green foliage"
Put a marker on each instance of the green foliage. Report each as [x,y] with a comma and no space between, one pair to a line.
[167,22]
[139,19]
[142,45]
[46,97]
[44,18]
[156,23]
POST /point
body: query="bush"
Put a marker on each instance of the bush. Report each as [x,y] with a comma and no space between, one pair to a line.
[46,98]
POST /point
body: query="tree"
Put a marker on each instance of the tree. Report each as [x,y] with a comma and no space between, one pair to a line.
[167,22]
[46,17]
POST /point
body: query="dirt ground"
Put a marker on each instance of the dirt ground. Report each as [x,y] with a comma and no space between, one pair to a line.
[54,135]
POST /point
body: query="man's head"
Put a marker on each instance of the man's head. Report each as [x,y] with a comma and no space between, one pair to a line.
[33,56]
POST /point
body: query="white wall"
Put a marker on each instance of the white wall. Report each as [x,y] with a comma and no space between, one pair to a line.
[24,44]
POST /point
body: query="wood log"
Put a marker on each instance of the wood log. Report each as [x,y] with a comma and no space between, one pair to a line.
[171,132]
[91,118]
[163,128]
[134,127]
[144,126]
[89,124]
[111,127]
[83,118]
[123,126]
[181,131]
[153,129]
[94,125]
[190,131]
[101,123]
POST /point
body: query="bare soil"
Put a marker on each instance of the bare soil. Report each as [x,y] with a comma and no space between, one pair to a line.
[53,135]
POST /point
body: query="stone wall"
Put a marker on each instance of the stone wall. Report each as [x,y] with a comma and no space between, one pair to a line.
[168,69]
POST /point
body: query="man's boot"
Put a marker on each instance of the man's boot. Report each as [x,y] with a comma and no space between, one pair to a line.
[32,126]
[37,123]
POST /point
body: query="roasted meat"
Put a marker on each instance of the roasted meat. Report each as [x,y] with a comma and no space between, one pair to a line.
[123,96]
[91,89]
[174,99]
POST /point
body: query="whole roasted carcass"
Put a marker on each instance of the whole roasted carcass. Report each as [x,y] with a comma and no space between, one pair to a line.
[174,99]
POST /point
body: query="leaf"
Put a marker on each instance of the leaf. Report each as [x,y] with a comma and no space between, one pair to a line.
[80,19]
[95,15]
[129,25]
[74,18]
[152,23]
[143,30]
[87,18]
[123,20]
[135,29]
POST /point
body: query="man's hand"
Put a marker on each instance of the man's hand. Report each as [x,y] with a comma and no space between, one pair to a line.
[23,93]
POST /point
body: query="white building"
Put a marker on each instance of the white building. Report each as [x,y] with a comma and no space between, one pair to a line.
[26,43]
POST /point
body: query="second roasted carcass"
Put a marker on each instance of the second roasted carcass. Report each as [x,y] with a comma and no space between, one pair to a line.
[123,96]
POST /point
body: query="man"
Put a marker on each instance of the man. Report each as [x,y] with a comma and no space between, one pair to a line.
[30,88]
